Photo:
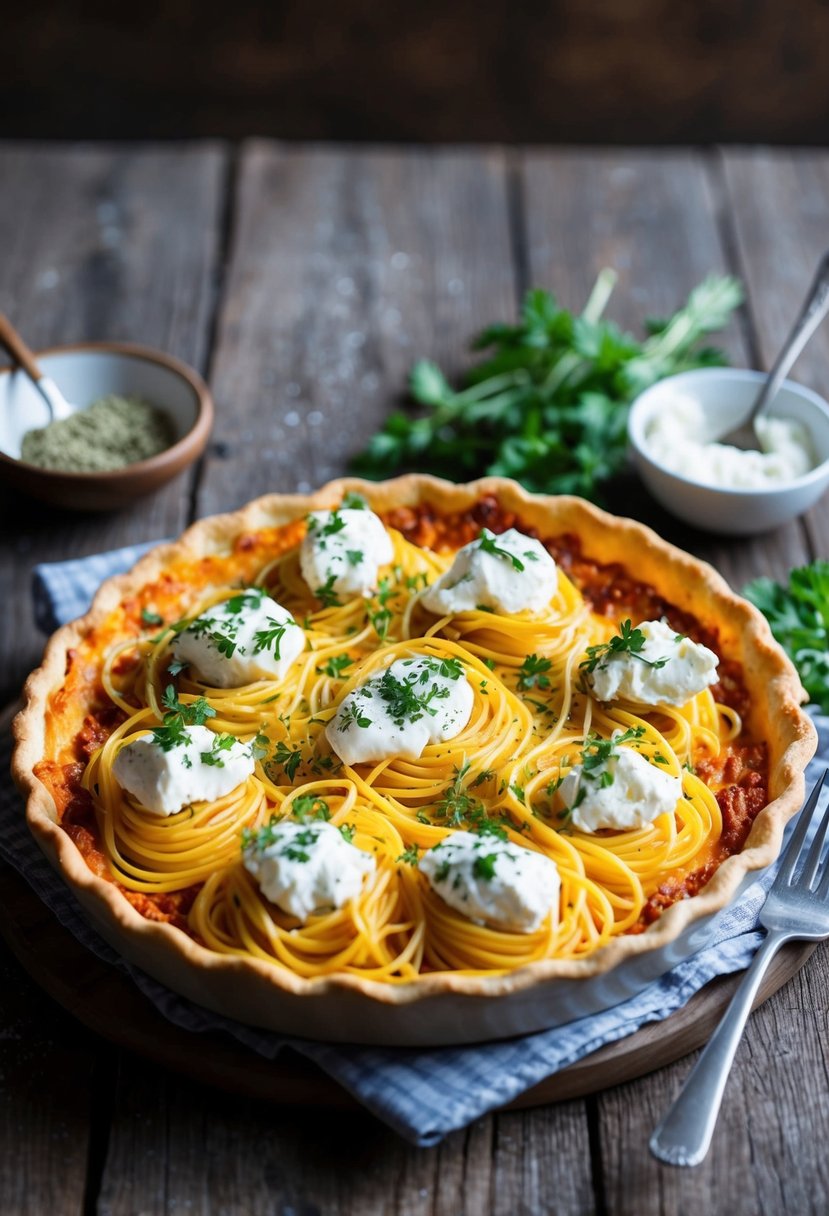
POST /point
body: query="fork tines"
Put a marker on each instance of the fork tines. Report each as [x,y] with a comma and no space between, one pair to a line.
[795,846]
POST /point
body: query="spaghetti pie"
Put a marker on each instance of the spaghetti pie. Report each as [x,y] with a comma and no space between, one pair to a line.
[343,850]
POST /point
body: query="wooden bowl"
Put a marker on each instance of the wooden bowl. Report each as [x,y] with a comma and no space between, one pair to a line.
[86,372]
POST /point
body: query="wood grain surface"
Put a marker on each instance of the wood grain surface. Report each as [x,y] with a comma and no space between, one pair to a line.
[303,281]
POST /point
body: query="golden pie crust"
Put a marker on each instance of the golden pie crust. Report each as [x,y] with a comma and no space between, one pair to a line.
[239,985]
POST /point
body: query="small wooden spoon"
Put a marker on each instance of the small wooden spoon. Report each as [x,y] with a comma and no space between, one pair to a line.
[12,342]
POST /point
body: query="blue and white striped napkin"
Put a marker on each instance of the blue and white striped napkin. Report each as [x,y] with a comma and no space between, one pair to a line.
[423,1094]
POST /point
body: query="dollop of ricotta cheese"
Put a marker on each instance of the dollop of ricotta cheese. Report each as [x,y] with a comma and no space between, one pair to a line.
[622,792]
[199,766]
[679,439]
[343,550]
[307,869]
[507,573]
[400,710]
[245,638]
[493,881]
[666,669]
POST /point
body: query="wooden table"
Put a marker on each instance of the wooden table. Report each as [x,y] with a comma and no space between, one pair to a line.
[303,281]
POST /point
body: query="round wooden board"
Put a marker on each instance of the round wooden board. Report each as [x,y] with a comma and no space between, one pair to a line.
[109,1004]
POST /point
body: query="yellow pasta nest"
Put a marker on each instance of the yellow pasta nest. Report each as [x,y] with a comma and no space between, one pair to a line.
[530,721]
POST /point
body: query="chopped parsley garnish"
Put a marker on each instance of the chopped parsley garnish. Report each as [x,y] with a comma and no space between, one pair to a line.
[628,641]
[289,758]
[176,666]
[355,556]
[326,593]
[326,763]
[488,545]
[308,806]
[531,673]
[451,669]
[352,714]
[246,599]
[270,638]
[484,866]
[151,618]
[334,524]
[596,755]
[480,823]
[354,502]
[347,831]
[457,805]
[336,666]
[380,620]
[404,702]
[260,746]
[220,744]
[410,855]
[260,838]
[597,752]
[173,731]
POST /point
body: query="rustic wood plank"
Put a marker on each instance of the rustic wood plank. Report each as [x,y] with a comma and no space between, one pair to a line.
[654,218]
[47,1077]
[174,1146]
[98,243]
[177,1148]
[781,225]
[346,266]
[767,1154]
[102,243]
[542,1162]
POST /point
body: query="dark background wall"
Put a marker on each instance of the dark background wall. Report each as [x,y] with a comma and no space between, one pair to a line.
[566,70]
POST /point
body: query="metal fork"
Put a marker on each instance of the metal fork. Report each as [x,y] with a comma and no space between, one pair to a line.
[797,908]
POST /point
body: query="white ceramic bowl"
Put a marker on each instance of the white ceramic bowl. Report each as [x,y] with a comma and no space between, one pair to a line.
[725,395]
[85,373]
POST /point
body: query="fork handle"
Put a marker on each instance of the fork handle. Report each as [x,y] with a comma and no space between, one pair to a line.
[683,1137]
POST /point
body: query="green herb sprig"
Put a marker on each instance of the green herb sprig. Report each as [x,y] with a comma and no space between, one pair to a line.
[548,405]
[532,672]
[799,617]
[488,544]
[627,641]
[173,730]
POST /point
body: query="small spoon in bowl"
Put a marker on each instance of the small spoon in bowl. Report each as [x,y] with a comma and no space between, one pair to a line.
[814,309]
[12,342]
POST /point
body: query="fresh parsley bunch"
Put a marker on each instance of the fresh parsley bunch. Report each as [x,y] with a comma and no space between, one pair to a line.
[799,619]
[548,405]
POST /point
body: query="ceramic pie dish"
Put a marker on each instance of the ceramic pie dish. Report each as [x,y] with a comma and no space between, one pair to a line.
[628,562]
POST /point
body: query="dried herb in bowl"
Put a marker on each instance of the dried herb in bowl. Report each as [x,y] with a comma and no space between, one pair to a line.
[109,434]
